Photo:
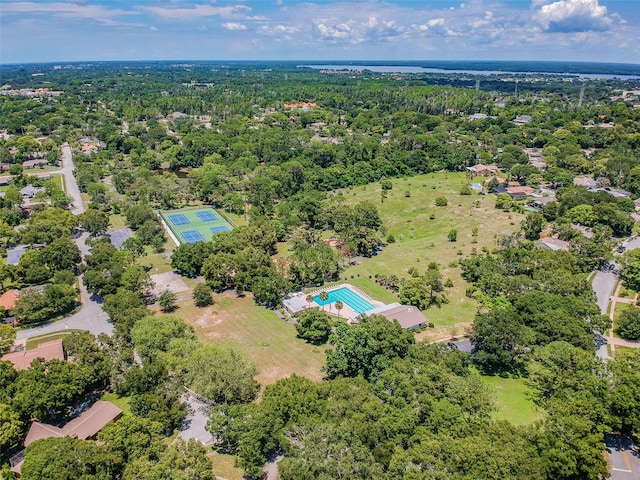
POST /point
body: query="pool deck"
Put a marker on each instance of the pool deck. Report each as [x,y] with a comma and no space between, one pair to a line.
[346,311]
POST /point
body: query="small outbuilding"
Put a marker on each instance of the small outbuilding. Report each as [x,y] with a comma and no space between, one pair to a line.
[409,318]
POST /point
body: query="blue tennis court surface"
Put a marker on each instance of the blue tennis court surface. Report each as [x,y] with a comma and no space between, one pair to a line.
[179,219]
[206,216]
[348,297]
[219,228]
[192,236]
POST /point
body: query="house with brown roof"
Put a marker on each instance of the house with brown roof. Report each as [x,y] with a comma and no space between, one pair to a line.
[21,360]
[483,170]
[8,299]
[520,193]
[409,318]
[85,426]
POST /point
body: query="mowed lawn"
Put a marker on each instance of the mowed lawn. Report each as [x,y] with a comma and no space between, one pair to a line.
[512,398]
[420,240]
[268,341]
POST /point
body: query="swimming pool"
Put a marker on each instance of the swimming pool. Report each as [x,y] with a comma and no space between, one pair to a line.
[348,297]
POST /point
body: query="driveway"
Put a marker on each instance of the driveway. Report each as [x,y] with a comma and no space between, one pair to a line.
[625,462]
[194,424]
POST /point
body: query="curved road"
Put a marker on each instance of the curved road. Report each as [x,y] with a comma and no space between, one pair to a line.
[90,317]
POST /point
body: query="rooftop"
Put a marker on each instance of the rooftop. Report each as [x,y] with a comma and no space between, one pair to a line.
[408,317]
[85,426]
[47,351]
[8,299]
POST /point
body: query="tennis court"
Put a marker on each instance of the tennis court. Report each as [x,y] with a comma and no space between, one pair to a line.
[192,236]
[179,219]
[194,224]
[206,216]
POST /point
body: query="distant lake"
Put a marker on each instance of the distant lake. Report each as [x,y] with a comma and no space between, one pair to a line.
[415,69]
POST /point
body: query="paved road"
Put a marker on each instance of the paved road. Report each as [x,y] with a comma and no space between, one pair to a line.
[603,283]
[71,186]
[90,317]
[625,463]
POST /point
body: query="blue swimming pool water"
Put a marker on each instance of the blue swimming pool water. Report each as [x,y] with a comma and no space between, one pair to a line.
[348,297]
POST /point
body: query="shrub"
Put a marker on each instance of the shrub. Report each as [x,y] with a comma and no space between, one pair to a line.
[386,184]
[441,202]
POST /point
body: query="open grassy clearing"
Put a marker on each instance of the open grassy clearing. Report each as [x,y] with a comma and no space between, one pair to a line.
[224,467]
[420,239]
[268,341]
[513,400]
[117,221]
[34,342]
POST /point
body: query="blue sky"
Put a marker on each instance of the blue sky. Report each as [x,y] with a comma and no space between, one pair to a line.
[83,30]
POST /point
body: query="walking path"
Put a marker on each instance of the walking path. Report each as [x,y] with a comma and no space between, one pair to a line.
[611,339]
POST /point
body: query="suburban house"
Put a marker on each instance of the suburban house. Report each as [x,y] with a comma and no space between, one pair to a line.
[30,191]
[8,299]
[87,425]
[409,318]
[540,202]
[539,164]
[478,116]
[553,244]
[586,182]
[37,163]
[88,148]
[483,170]
[22,359]
[522,119]
[520,193]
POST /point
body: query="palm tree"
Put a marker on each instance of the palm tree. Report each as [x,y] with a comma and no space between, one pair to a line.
[324,296]
[309,300]
[339,306]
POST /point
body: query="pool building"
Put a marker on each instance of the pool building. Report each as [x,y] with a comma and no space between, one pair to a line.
[354,304]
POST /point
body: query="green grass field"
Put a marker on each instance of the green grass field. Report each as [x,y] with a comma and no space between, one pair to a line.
[421,240]
[121,402]
[268,341]
[224,467]
[33,342]
[512,400]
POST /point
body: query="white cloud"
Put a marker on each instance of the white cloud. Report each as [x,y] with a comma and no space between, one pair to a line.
[98,13]
[196,12]
[573,16]
[280,31]
[234,26]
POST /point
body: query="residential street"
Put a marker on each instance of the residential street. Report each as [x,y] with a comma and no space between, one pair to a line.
[71,186]
[90,317]
[625,462]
